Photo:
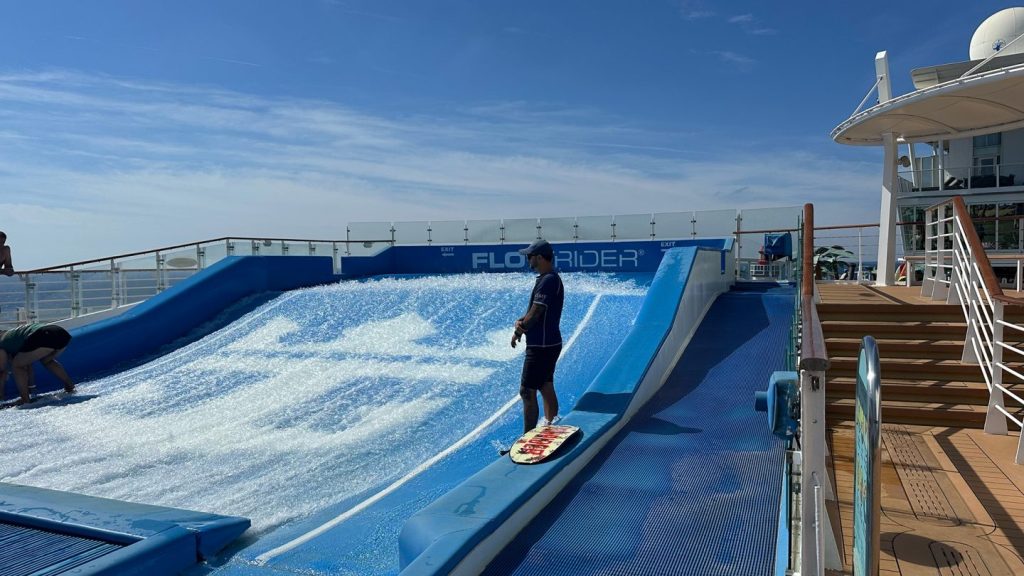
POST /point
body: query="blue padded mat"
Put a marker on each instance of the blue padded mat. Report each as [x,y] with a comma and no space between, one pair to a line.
[691,485]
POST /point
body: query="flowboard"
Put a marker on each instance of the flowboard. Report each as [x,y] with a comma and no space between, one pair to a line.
[537,444]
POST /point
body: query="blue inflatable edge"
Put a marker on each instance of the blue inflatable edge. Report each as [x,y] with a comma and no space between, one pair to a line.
[172,314]
[156,539]
[438,537]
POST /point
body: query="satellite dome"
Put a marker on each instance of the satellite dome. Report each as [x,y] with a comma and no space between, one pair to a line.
[996,32]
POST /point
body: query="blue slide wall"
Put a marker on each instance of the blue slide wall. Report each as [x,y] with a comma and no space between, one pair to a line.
[168,316]
[463,529]
[641,256]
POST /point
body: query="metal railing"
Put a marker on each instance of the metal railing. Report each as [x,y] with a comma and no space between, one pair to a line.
[964,177]
[103,285]
[958,270]
[814,547]
[109,284]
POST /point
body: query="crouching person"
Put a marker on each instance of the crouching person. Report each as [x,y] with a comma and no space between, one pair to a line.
[22,346]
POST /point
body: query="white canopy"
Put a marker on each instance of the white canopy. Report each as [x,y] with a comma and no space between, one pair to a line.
[983,103]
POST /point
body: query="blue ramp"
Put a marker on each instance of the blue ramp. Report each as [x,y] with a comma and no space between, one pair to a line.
[691,485]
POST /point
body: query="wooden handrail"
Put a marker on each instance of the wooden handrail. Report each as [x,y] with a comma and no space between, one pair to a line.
[807,270]
[988,276]
[813,355]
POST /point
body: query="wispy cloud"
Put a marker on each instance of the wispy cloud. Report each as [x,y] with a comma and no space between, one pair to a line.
[694,10]
[92,166]
[750,24]
[734,58]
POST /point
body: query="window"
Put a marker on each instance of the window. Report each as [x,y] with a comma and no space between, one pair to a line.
[913,234]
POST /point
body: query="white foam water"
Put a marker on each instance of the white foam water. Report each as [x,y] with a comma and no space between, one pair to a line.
[314,397]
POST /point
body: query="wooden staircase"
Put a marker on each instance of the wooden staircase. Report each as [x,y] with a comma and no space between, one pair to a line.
[920,346]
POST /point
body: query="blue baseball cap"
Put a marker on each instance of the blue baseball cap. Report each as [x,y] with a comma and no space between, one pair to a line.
[538,247]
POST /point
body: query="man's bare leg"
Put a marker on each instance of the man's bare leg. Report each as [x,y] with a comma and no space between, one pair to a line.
[50,363]
[530,409]
[547,392]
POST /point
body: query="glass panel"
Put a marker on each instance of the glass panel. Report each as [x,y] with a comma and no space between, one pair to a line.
[212,253]
[912,234]
[1011,174]
[520,230]
[183,259]
[1008,227]
[137,284]
[983,216]
[12,297]
[411,232]
[241,247]
[448,232]
[372,231]
[592,228]
[633,227]
[94,291]
[673,225]
[366,248]
[484,231]
[558,229]
[777,219]
[715,223]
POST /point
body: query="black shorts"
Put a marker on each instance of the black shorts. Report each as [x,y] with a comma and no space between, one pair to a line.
[47,337]
[539,366]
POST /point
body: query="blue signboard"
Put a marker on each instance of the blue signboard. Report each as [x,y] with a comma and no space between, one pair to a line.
[642,256]
[867,483]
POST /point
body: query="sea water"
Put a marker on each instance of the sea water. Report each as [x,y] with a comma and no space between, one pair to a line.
[314,397]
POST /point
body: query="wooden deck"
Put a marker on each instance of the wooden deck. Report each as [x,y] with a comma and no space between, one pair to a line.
[952,498]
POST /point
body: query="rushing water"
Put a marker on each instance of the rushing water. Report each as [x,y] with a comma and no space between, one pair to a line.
[314,397]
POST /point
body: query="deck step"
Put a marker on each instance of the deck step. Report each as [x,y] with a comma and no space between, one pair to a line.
[918,369]
[902,348]
[973,393]
[896,412]
[895,330]
[890,312]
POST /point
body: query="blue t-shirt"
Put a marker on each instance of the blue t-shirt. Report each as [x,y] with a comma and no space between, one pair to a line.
[549,294]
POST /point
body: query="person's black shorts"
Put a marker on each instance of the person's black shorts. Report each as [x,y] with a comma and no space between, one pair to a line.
[47,337]
[539,366]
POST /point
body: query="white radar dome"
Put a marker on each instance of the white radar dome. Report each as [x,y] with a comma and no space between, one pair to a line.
[996,32]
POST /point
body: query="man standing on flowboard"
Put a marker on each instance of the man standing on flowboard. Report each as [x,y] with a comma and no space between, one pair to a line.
[543,337]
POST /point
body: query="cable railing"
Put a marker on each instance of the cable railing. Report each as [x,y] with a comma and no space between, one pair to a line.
[104,286]
[958,270]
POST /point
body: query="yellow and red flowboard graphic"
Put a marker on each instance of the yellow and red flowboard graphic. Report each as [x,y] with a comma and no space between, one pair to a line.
[539,443]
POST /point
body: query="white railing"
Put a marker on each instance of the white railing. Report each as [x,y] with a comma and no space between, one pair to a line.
[958,270]
[1004,175]
[98,286]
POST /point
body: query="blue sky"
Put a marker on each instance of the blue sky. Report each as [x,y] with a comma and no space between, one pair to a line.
[127,125]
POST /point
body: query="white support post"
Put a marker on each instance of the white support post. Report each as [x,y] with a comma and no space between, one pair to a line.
[887,218]
[115,285]
[995,421]
[941,154]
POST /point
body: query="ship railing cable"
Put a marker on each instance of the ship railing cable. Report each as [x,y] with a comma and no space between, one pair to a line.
[958,270]
[102,285]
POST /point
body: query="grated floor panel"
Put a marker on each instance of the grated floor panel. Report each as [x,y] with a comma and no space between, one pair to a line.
[691,485]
